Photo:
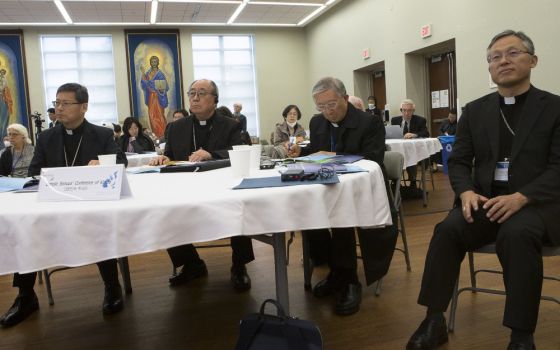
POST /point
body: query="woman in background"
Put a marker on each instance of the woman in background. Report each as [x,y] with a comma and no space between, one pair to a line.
[133,139]
[15,160]
[290,127]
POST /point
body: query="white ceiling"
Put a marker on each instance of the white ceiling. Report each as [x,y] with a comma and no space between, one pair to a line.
[287,13]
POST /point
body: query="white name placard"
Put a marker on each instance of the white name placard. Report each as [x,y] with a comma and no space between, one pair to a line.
[83,183]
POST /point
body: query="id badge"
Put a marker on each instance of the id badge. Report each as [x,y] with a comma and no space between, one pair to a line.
[501,172]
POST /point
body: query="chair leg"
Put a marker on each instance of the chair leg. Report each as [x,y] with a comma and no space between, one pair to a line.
[453,308]
[40,273]
[471,269]
[378,287]
[48,285]
[403,236]
[125,273]
[307,266]
[290,241]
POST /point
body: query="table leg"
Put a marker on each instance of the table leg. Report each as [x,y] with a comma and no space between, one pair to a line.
[280,269]
[423,180]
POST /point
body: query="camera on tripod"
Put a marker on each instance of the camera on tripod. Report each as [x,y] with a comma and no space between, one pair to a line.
[36,116]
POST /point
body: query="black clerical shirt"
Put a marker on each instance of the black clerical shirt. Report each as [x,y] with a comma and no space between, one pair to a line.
[72,145]
[201,134]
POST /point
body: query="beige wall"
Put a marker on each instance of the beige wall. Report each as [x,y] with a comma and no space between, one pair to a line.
[280,54]
[390,29]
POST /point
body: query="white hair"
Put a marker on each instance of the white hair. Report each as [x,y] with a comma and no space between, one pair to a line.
[408,102]
[20,129]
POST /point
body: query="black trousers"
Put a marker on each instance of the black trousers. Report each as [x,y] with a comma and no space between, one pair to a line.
[186,254]
[519,243]
[107,268]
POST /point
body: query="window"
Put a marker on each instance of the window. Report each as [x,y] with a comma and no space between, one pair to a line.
[229,61]
[87,60]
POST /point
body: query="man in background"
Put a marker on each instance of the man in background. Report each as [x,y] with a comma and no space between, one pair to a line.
[413,126]
[52,117]
[237,107]
[449,126]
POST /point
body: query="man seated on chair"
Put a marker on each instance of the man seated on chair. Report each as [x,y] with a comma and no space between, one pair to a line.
[413,126]
[511,197]
[73,141]
[205,135]
[341,128]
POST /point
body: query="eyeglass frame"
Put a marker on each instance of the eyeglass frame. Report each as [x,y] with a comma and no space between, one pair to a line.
[200,93]
[510,54]
[327,106]
[64,104]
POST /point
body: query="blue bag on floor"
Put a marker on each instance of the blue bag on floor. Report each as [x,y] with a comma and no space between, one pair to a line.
[260,331]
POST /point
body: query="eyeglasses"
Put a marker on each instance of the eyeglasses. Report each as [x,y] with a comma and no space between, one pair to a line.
[64,104]
[495,57]
[329,106]
[407,110]
[200,93]
[13,134]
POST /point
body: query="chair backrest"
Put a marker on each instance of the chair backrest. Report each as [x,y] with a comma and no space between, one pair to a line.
[394,163]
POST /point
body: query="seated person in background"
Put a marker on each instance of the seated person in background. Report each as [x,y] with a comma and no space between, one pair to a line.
[117,130]
[134,141]
[5,143]
[226,112]
[52,117]
[341,128]
[290,127]
[237,107]
[150,134]
[413,126]
[372,106]
[15,160]
[205,135]
[72,142]
[449,126]
[356,102]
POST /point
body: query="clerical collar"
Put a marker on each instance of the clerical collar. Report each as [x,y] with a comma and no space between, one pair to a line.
[75,131]
[203,122]
[514,99]
[335,125]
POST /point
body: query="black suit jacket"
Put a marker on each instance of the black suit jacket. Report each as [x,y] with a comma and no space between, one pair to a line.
[416,126]
[226,132]
[49,150]
[363,135]
[359,134]
[534,168]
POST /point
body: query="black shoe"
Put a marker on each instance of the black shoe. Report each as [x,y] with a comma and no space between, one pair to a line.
[23,307]
[348,302]
[431,334]
[327,286]
[189,273]
[240,280]
[520,346]
[113,301]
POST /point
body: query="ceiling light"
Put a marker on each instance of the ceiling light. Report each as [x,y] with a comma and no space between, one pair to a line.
[63,11]
[285,3]
[237,12]
[206,1]
[311,15]
[153,14]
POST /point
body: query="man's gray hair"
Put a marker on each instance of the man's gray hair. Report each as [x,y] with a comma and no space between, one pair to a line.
[527,42]
[329,83]
[408,102]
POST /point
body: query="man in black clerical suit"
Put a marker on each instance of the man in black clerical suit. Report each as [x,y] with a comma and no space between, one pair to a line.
[413,126]
[343,129]
[205,135]
[511,197]
[73,141]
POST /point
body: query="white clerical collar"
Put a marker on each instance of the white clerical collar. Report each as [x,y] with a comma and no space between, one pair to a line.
[202,122]
[509,100]
[69,131]
[335,125]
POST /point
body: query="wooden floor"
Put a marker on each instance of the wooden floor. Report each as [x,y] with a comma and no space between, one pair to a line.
[205,314]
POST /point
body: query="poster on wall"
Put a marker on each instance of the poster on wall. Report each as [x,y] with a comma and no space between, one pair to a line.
[14,99]
[154,76]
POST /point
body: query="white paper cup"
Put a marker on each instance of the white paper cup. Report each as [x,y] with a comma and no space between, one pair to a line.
[255,157]
[237,147]
[240,160]
[107,159]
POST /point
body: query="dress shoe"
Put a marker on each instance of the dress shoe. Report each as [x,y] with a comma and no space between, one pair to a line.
[520,346]
[431,334]
[348,302]
[113,301]
[189,273]
[23,307]
[327,286]
[240,280]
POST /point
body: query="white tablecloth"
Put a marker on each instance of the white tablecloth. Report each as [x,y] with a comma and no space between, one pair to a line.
[167,210]
[135,160]
[414,150]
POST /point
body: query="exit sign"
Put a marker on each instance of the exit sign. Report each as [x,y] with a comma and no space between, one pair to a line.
[365,54]
[426,31]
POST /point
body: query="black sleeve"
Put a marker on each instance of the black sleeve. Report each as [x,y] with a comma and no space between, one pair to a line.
[39,156]
[6,162]
[422,128]
[234,138]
